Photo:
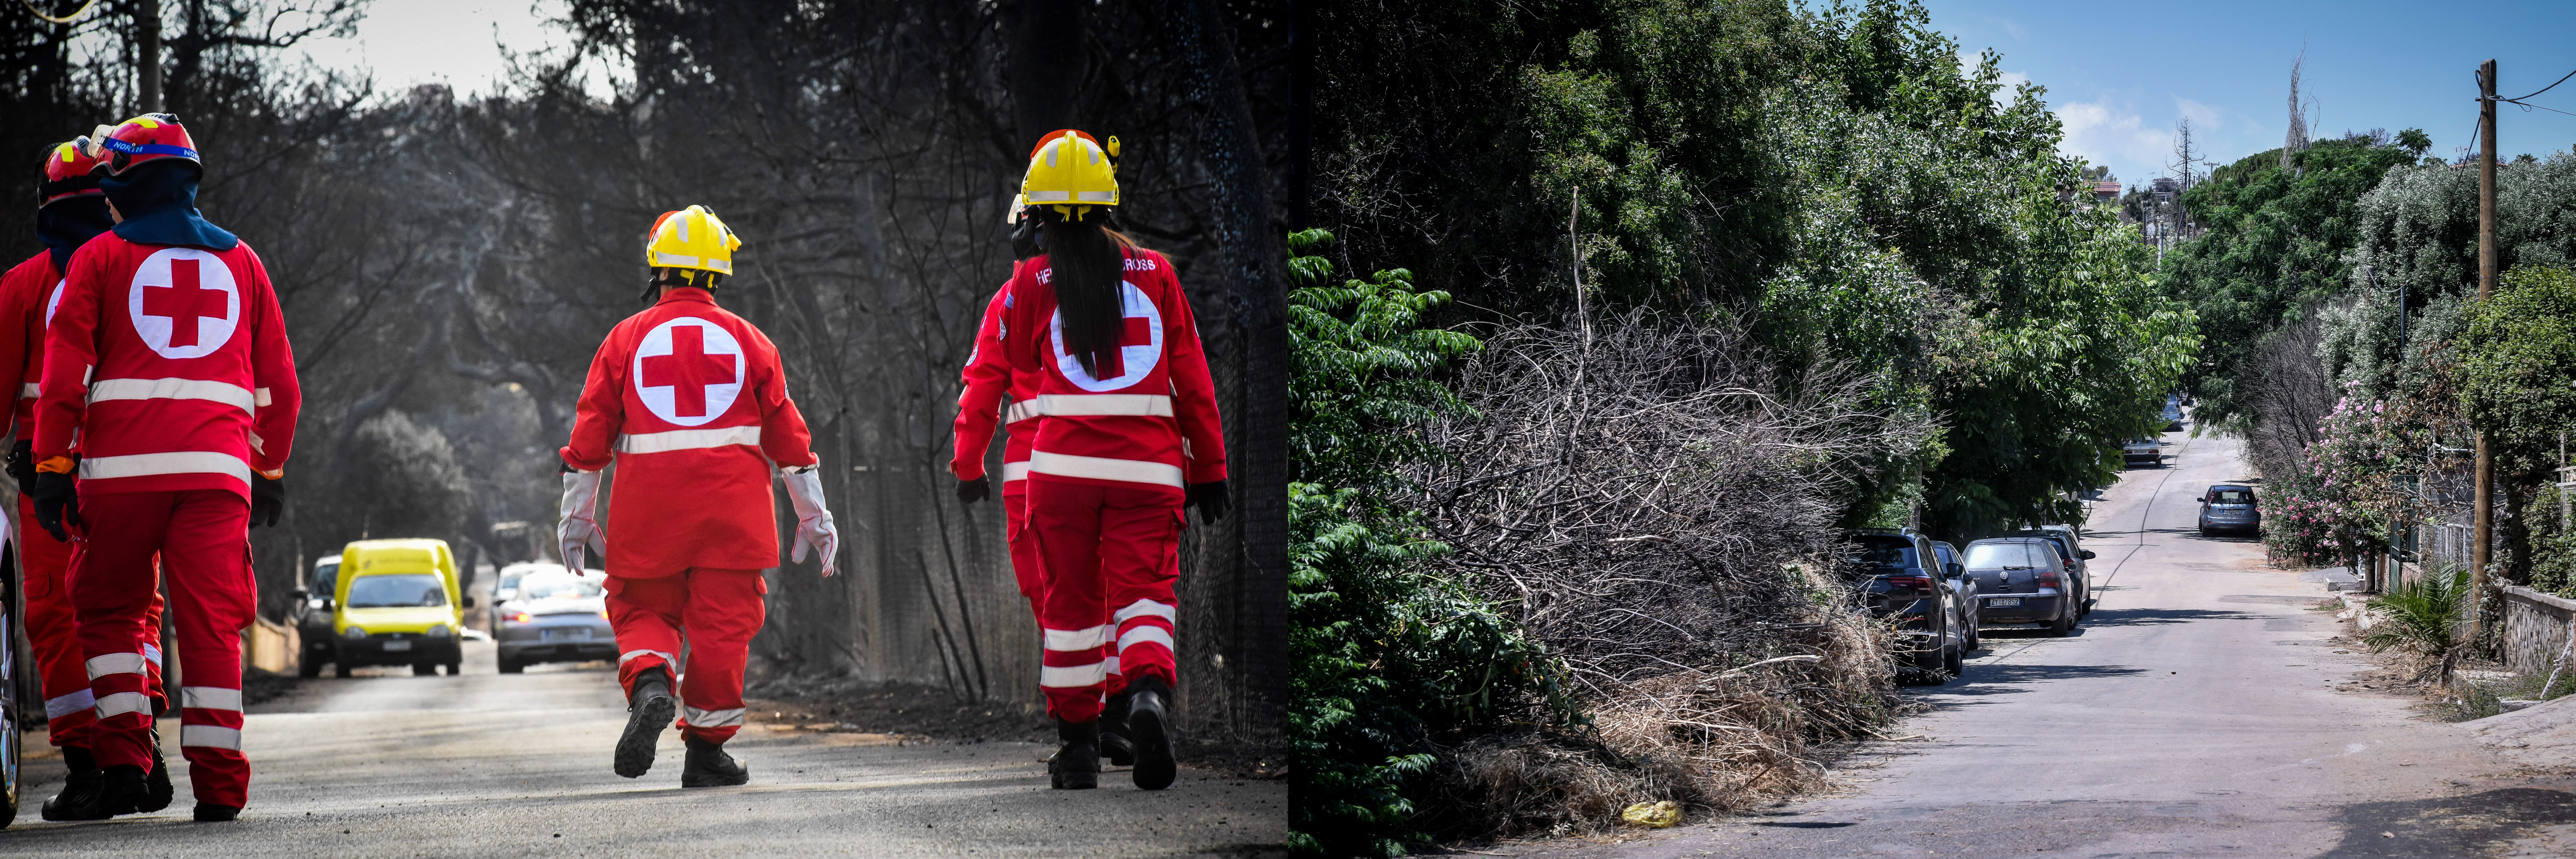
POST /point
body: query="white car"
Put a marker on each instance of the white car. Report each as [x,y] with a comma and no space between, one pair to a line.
[544,613]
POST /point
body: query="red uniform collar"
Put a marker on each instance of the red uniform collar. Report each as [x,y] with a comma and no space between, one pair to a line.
[686,293]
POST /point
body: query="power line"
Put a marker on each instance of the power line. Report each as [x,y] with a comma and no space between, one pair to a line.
[2518,99]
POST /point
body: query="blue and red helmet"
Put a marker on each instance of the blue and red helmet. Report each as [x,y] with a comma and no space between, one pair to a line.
[142,140]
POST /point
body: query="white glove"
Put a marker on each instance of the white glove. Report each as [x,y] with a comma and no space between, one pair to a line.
[579,529]
[813,522]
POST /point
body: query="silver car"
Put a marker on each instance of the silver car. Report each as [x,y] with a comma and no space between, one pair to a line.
[545,613]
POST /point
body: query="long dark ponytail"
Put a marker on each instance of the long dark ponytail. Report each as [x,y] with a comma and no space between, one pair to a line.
[1087,262]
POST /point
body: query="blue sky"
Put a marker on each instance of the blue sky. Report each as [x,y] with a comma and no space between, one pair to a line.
[2119,78]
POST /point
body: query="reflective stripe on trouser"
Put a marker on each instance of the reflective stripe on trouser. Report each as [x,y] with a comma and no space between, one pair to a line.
[1105,549]
[53,630]
[202,534]
[717,611]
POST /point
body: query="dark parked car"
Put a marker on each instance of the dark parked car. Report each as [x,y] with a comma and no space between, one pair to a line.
[2071,556]
[2173,412]
[1963,594]
[2022,580]
[2229,507]
[313,616]
[1900,576]
[550,615]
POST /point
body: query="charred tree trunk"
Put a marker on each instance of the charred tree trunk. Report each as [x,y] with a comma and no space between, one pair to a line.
[1250,580]
[1044,63]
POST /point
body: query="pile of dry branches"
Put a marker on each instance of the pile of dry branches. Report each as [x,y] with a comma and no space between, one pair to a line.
[1651,504]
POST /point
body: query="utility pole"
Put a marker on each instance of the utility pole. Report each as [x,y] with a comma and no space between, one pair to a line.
[2481,546]
[147,45]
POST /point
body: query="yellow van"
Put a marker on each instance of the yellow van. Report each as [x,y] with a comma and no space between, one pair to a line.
[395,602]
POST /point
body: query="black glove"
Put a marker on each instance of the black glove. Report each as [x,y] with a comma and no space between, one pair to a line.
[1024,237]
[57,499]
[22,466]
[971,491]
[267,500]
[1210,499]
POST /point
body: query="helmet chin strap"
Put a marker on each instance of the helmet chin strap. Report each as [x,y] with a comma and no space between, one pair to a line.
[678,277]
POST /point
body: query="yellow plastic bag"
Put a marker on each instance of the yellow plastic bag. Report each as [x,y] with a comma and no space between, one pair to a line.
[1657,815]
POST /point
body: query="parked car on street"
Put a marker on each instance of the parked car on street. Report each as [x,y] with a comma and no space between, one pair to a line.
[313,616]
[550,614]
[2173,412]
[2143,451]
[2072,556]
[2229,507]
[396,602]
[1900,576]
[1963,594]
[14,692]
[2021,580]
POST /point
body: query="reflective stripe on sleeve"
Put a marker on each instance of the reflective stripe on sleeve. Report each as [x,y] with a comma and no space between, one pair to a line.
[121,703]
[711,718]
[115,663]
[630,656]
[30,390]
[175,462]
[692,439]
[1144,608]
[1072,676]
[210,698]
[1079,639]
[1098,468]
[152,653]
[65,705]
[210,737]
[1014,471]
[172,389]
[1019,411]
[1145,635]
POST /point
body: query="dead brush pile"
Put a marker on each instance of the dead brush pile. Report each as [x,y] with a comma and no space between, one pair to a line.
[1649,506]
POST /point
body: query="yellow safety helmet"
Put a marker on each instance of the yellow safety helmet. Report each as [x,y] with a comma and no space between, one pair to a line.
[1071,173]
[691,238]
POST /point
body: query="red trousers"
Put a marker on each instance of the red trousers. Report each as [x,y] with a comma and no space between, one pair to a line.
[52,626]
[717,611]
[204,535]
[1111,555]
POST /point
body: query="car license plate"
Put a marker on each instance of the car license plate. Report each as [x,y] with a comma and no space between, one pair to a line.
[580,634]
[398,644]
[2014,602]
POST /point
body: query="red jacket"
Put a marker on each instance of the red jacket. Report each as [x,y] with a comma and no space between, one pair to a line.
[171,364]
[988,376]
[1153,424]
[24,294]
[690,401]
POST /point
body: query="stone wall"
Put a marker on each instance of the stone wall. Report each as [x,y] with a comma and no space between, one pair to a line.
[2535,629]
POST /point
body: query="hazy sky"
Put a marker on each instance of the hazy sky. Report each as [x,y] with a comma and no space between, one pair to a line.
[457,42]
[2119,75]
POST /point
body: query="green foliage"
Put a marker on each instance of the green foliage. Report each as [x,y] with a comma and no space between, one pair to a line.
[2553,544]
[1384,658]
[1831,174]
[2517,370]
[2276,246]
[2423,614]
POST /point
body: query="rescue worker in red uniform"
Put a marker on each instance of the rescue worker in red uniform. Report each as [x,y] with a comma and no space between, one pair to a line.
[71,210]
[168,361]
[1127,439]
[691,403]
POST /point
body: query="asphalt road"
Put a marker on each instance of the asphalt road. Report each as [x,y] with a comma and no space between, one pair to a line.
[2192,715]
[489,764]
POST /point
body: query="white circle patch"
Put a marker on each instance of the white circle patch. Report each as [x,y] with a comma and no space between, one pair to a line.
[1140,347]
[688,371]
[184,302]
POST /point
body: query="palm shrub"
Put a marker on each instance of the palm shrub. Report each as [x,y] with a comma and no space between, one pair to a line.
[2423,615]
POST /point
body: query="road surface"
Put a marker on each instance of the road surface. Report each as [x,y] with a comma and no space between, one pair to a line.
[490,764]
[2194,714]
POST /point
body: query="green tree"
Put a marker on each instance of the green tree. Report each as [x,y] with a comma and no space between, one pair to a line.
[2517,369]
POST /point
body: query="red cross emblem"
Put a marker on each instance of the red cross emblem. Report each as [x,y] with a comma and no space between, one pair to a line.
[688,371]
[183,301]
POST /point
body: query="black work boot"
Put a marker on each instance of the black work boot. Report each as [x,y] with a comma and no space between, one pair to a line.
[125,791]
[156,781]
[84,795]
[1148,727]
[708,766]
[208,812]
[1076,765]
[648,710]
[1113,731]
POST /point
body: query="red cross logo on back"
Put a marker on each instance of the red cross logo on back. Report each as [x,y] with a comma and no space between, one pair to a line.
[183,301]
[689,370]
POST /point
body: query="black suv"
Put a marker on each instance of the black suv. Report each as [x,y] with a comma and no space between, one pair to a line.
[1897,576]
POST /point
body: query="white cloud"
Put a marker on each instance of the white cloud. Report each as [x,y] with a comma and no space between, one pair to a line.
[2102,132]
[2202,116]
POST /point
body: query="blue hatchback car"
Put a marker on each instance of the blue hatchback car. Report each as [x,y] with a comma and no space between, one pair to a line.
[2229,507]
